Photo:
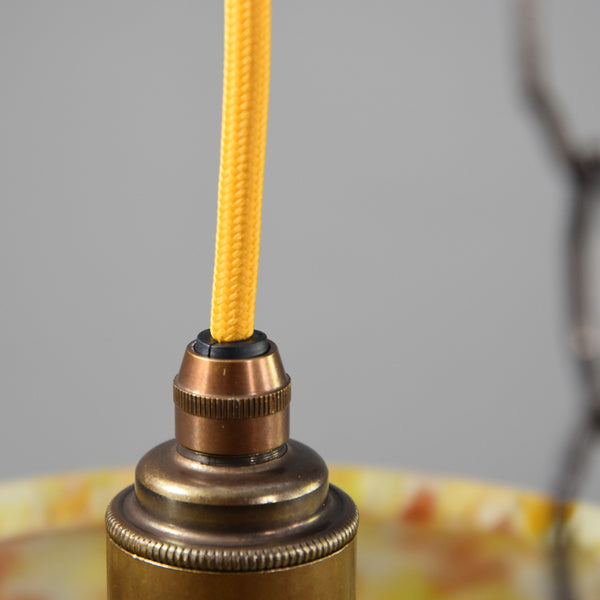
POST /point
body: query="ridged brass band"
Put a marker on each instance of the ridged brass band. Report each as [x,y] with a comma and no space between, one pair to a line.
[132,578]
[232,408]
[230,559]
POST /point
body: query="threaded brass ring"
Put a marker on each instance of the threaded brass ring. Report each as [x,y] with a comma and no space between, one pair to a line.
[232,408]
[230,559]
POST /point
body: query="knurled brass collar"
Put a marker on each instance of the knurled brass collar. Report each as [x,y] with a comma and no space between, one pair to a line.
[232,406]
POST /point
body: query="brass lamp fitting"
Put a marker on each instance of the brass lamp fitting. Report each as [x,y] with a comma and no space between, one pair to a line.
[232,508]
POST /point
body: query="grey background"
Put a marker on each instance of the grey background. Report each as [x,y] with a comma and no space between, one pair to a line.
[410,267]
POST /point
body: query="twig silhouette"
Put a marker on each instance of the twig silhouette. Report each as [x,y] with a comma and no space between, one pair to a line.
[583,170]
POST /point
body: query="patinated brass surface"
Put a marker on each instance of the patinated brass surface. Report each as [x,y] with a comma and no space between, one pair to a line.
[270,495]
[227,406]
[231,508]
[132,578]
[227,378]
[235,437]
[275,514]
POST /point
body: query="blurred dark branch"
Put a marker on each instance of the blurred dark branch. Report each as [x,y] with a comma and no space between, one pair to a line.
[571,476]
[537,91]
[584,170]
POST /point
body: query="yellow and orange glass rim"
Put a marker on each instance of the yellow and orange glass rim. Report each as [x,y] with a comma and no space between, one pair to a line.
[420,537]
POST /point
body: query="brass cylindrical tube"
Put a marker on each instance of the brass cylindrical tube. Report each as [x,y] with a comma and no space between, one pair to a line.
[330,578]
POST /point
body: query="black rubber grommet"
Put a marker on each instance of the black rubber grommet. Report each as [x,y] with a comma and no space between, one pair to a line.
[206,345]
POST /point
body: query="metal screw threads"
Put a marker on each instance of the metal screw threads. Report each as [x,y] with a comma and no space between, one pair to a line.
[232,508]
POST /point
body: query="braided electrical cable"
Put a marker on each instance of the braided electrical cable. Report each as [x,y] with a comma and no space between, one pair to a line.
[243,145]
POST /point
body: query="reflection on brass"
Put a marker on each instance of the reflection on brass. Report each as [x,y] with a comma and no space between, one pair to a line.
[234,436]
[232,508]
[331,578]
[279,513]
[229,378]
[237,407]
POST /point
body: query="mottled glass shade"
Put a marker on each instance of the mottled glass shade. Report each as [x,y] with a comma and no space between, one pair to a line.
[420,537]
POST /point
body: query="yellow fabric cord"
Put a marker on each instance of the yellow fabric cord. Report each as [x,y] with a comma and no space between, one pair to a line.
[243,145]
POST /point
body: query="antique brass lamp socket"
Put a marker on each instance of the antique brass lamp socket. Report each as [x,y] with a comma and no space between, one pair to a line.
[232,508]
